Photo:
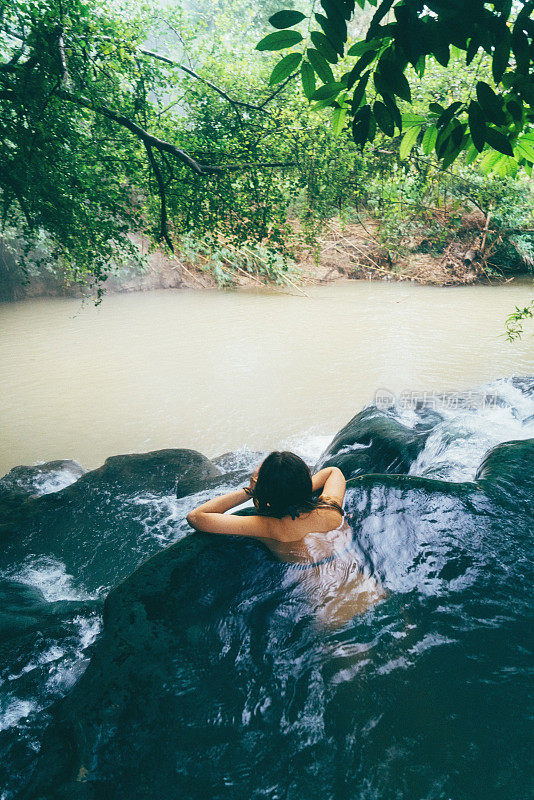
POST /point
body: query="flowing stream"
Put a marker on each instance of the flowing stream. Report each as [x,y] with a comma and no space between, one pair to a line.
[210,675]
[219,371]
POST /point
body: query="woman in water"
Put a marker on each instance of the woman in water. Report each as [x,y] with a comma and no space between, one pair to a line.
[308,533]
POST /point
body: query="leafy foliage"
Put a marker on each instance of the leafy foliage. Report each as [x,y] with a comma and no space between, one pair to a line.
[370,82]
[514,322]
[93,126]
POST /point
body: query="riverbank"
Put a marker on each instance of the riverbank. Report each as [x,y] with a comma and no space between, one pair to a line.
[339,250]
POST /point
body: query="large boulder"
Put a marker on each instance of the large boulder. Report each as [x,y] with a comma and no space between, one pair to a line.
[105,523]
[375,441]
[160,471]
[212,680]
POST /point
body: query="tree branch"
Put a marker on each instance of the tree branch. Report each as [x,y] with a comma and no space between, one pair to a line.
[149,139]
[215,88]
[161,144]
[164,229]
[62,58]
[146,138]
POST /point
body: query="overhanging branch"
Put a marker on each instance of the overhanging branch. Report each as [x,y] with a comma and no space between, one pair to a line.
[221,92]
[163,146]
[164,229]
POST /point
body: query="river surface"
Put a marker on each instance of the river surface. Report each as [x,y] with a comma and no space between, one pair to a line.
[219,371]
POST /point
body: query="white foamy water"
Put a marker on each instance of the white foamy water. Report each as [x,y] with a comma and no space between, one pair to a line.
[13,710]
[456,446]
[61,660]
[56,480]
[49,576]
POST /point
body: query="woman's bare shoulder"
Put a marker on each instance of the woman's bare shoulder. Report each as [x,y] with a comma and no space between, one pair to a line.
[320,520]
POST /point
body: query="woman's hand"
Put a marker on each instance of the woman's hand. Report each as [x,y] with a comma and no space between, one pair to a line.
[252,483]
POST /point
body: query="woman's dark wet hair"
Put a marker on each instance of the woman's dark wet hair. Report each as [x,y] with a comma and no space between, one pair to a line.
[284,487]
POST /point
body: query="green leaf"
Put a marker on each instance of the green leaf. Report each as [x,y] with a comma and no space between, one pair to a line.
[429,140]
[515,109]
[362,47]
[489,160]
[408,141]
[332,33]
[471,154]
[328,91]
[477,125]
[383,118]
[359,93]
[335,20]
[286,18]
[490,103]
[520,46]
[444,118]
[436,108]
[323,46]
[412,119]
[361,125]
[506,167]
[321,66]
[307,75]
[501,57]
[284,68]
[279,40]
[338,120]
[499,142]
[524,149]
[391,78]
[472,50]
[393,109]
[450,155]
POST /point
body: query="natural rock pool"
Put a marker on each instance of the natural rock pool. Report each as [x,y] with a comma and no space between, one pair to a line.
[210,677]
[139,660]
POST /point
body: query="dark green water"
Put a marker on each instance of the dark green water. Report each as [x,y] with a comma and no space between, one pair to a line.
[210,677]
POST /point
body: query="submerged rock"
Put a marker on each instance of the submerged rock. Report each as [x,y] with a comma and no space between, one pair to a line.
[211,679]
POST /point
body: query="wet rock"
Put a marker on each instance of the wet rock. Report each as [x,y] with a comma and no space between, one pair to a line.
[106,522]
[375,441]
[508,472]
[166,627]
[210,681]
[161,471]
[51,476]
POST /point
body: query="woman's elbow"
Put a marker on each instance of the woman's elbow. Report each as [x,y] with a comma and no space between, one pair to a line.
[192,519]
[338,473]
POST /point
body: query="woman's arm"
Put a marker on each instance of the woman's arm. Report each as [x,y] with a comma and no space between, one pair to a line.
[332,482]
[210,517]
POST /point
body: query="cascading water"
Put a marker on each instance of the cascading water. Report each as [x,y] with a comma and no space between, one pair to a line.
[210,676]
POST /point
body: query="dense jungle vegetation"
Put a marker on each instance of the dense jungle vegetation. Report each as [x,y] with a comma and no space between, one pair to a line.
[229,131]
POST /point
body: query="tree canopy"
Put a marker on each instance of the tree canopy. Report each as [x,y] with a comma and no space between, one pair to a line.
[107,129]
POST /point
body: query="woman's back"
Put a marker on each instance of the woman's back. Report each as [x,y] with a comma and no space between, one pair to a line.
[308,533]
[310,538]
